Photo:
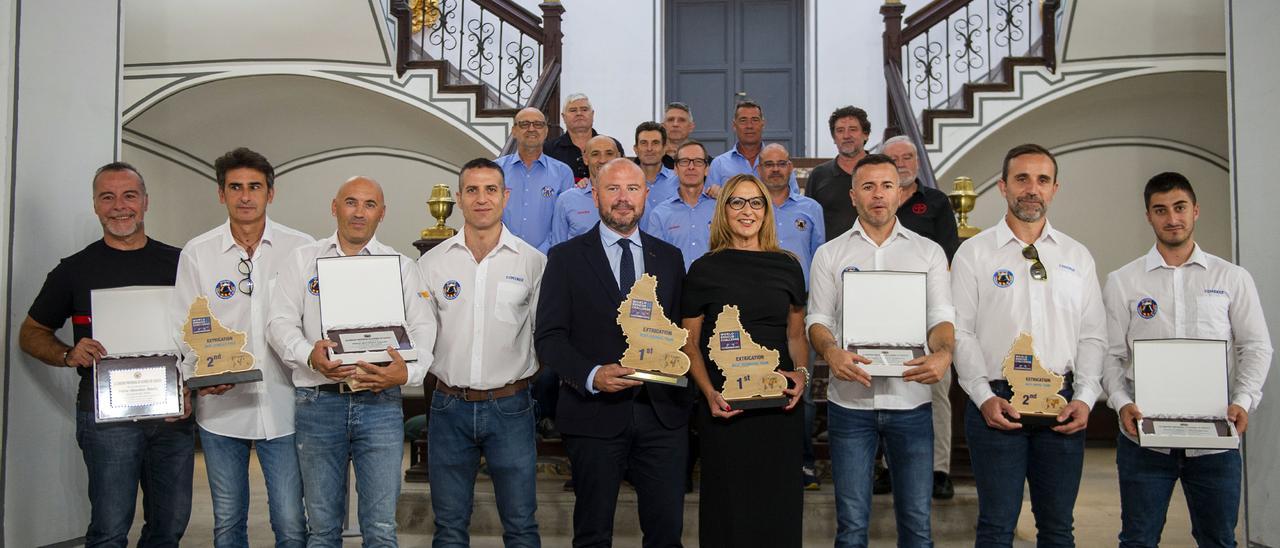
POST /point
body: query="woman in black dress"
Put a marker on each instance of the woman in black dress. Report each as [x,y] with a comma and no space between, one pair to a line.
[751,491]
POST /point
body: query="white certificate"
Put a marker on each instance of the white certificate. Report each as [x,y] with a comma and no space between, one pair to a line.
[1178,428]
[888,356]
[368,341]
[884,308]
[138,387]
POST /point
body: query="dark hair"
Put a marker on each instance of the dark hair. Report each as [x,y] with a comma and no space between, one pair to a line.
[651,126]
[679,106]
[1023,150]
[873,159]
[747,104]
[694,143]
[119,166]
[849,111]
[1167,182]
[243,158]
[482,163]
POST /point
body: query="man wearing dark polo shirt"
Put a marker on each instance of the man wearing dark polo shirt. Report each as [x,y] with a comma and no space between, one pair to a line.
[579,119]
[926,211]
[831,182]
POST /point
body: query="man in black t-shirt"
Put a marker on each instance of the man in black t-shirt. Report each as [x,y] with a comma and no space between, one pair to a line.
[926,211]
[120,456]
[831,182]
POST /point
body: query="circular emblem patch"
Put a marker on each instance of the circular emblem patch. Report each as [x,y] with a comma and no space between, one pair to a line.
[224,289]
[1002,278]
[452,289]
[313,285]
[801,224]
[1147,308]
[548,192]
[919,209]
[851,269]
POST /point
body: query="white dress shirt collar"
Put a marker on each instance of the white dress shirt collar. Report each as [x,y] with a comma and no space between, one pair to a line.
[1155,260]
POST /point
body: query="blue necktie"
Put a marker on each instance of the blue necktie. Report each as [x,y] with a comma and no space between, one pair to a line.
[627,268]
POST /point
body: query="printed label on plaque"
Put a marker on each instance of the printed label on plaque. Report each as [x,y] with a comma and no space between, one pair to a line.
[888,356]
[217,349]
[653,342]
[749,369]
[1179,428]
[1035,389]
[368,341]
[138,387]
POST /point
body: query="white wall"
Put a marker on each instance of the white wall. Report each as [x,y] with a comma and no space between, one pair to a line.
[1255,84]
[66,127]
[7,36]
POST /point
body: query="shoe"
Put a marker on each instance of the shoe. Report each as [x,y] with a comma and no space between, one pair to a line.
[882,484]
[547,429]
[810,478]
[942,487]
[568,485]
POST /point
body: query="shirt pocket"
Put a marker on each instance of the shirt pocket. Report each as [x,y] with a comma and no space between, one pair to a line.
[1068,290]
[1212,320]
[511,302]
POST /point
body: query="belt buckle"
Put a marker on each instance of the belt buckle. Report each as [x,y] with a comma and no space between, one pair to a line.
[344,387]
[465,394]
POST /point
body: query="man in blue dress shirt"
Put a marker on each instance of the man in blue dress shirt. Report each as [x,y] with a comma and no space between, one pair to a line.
[684,220]
[575,211]
[744,157]
[651,143]
[535,181]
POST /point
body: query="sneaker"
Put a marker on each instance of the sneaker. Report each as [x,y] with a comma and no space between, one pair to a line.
[882,484]
[547,429]
[810,478]
[942,487]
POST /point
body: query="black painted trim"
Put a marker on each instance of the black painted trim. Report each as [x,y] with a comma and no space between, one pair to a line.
[8,290]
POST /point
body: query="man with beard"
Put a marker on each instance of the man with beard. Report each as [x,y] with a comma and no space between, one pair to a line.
[575,208]
[1023,276]
[156,455]
[534,179]
[614,428]
[1178,290]
[830,182]
[678,121]
[684,220]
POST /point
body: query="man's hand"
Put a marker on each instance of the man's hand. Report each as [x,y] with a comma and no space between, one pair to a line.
[186,407]
[379,378]
[720,409]
[609,378]
[1130,415]
[1078,413]
[85,353]
[334,369]
[994,411]
[796,391]
[844,366]
[1239,416]
[928,369]
[215,390]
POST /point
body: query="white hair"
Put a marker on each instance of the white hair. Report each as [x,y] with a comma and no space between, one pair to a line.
[898,139]
[576,97]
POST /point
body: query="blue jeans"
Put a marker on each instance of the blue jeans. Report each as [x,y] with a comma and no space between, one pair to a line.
[908,439]
[1211,484]
[502,432]
[365,428]
[226,460]
[120,456]
[1002,460]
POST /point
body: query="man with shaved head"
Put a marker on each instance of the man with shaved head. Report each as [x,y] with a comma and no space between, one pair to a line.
[535,180]
[576,209]
[333,424]
[614,427]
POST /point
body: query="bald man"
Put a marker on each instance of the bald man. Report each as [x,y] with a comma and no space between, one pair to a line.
[334,424]
[576,208]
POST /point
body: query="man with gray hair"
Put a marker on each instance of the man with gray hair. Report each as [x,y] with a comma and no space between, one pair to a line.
[579,118]
[678,121]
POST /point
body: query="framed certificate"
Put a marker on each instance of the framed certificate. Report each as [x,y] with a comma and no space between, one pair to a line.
[1180,385]
[884,319]
[362,308]
[139,377]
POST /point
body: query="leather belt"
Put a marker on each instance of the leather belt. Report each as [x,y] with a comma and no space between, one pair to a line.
[336,387]
[469,394]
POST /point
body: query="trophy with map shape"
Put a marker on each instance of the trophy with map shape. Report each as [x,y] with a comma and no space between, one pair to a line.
[751,379]
[653,342]
[220,354]
[1035,389]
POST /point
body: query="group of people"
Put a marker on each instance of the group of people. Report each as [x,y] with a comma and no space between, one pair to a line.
[553,238]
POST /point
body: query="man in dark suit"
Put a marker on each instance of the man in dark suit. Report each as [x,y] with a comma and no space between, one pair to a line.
[614,428]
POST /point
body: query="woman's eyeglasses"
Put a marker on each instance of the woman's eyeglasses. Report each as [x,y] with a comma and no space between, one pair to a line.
[735,203]
[1038,272]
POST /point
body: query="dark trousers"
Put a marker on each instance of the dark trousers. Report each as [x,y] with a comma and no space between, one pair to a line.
[647,454]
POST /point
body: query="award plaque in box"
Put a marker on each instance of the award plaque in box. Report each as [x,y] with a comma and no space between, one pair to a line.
[653,342]
[751,380]
[362,309]
[883,318]
[1180,386]
[219,351]
[139,377]
[1035,389]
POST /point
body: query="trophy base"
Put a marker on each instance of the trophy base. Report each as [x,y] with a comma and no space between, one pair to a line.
[438,233]
[1032,419]
[659,378]
[235,377]
[758,402]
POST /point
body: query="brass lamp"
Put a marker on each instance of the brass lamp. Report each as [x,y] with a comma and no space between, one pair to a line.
[963,199]
[440,205]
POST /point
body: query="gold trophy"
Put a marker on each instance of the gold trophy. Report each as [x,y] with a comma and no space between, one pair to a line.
[751,379]
[1035,389]
[653,342]
[440,206]
[963,199]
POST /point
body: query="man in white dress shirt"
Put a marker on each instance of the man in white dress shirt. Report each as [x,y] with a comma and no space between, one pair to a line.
[232,266]
[864,410]
[334,424]
[1177,290]
[483,285]
[1023,276]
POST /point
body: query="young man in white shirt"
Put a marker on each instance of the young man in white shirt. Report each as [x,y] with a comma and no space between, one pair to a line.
[864,410]
[1176,290]
[483,288]
[231,266]
[1023,276]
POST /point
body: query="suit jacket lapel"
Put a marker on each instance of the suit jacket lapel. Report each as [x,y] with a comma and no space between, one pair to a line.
[600,264]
